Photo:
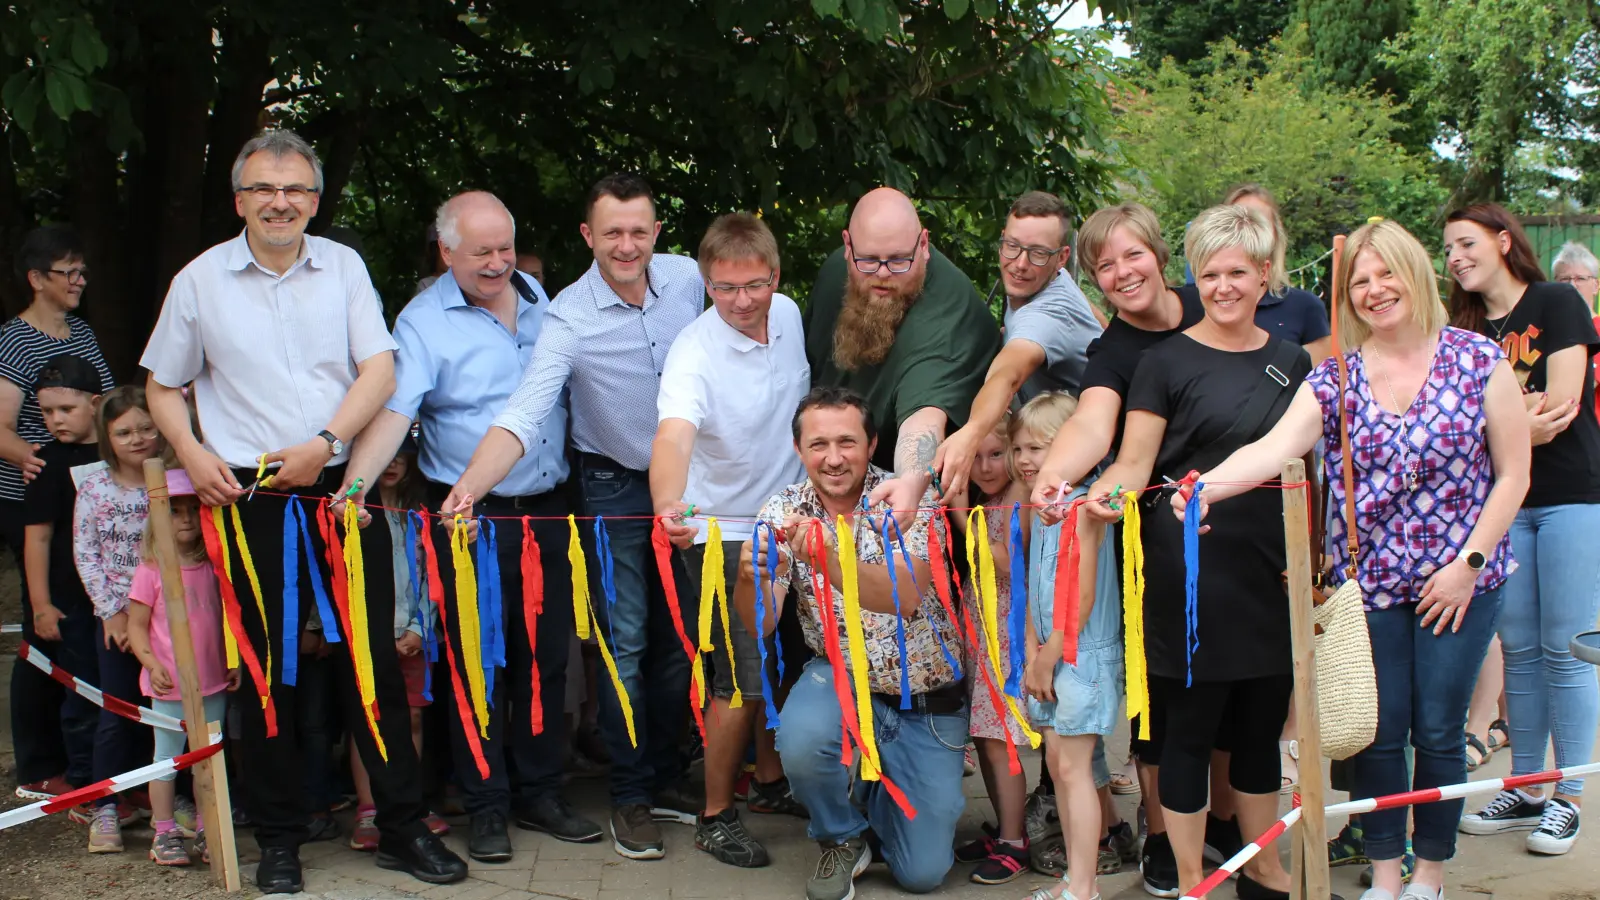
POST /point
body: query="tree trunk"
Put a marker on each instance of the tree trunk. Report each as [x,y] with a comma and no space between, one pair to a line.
[13,227]
[114,303]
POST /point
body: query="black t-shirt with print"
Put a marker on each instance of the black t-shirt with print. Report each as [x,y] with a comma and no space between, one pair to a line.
[1114,355]
[1549,318]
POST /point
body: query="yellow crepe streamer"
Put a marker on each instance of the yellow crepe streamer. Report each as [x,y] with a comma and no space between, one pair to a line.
[255,583]
[361,640]
[714,586]
[467,622]
[871,765]
[229,643]
[1133,614]
[583,614]
[980,560]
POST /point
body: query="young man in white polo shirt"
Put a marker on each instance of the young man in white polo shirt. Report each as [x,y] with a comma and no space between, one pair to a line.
[723,444]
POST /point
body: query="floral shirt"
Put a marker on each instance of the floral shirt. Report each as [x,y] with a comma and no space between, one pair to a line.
[107,528]
[929,668]
[1421,479]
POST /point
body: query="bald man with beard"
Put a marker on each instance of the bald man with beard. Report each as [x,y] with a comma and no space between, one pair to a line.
[894,320]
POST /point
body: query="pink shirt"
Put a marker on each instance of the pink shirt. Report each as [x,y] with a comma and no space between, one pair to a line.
[205,626]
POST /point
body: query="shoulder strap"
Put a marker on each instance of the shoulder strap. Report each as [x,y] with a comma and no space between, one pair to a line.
[1268,395]
[1347,469]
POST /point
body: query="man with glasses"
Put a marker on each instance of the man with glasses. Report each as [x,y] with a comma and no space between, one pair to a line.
[283,340]
[723,444]
[51,262]
[1049,326]
[894,320]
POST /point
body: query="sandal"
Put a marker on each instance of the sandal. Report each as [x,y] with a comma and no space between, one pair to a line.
[1498,743]
[1126,781]
[1483,752]
[1288,766]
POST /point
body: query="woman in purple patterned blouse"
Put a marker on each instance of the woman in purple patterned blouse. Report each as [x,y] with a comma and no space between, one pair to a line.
[1441,456]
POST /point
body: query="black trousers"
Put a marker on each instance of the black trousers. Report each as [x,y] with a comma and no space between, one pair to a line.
[523,767]
[271,768]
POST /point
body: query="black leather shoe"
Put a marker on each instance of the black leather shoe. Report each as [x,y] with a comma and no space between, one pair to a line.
[279,871]
[322,828]
[424,858]
[489,842]
[553,816]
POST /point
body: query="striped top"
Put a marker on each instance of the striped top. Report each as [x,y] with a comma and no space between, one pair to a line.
[23,352]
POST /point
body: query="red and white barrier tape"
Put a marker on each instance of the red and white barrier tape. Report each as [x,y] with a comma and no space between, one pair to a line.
[108,787]
[10,629]
[94,695]
[1372,804]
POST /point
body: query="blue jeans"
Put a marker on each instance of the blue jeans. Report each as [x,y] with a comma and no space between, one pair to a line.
[1553,595]
[119,744]
[650,660]
[921,753]
[1425,684]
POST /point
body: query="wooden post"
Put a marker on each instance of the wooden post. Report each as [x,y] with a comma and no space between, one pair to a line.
[1310,848]
[210,775]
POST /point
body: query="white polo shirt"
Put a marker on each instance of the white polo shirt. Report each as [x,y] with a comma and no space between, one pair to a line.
[271,356]
[740,395]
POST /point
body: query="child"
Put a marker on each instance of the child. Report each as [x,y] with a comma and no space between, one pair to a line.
[68,389]
[1074,705]
[1003,854]
[108,524]
[399,491]
[152,644]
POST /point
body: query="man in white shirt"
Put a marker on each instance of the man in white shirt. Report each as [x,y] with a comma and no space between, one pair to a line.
[283,340]
[723,445]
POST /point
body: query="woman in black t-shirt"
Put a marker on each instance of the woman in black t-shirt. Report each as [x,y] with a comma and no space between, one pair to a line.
[1547,333]
[1223,668]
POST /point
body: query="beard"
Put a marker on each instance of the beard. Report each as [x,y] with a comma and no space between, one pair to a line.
[867,323]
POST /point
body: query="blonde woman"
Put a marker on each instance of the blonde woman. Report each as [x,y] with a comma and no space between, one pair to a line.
[1442,470]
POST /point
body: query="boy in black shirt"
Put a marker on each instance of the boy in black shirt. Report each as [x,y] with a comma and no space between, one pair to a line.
[62,616]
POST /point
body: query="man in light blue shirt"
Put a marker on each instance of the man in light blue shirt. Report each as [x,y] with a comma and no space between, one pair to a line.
[464,343]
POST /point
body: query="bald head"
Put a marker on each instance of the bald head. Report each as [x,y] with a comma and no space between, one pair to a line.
[884,211]
[478,238]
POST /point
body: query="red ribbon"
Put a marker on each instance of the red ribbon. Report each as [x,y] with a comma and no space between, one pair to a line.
[235,622]
[663,551]
[532,606]
[1067,588]
[463,705]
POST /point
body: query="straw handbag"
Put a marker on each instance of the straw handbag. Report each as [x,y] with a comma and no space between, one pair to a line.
[1347,686]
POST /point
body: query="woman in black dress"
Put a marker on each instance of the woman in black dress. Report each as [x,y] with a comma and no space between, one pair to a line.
[1224,667]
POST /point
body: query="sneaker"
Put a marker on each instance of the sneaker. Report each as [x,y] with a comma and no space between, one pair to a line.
[837,868]
[1348,847]
[979,849]
[728,841]
[167,849]
[1107,862]
[634,833]
[1223,839]
[1121,838]
[969,762]
[139,799]
[1004,863]
[201,847]
[1377,894]
[1159,867]
[555,817]
[1508,811]
[1049,856]
[1558,829]
[741,787]
[775,798]
[186,815]
[678,803]
[436,823]
[1421,892]
[321,828]
[105,831]
[82,814]
[1040,816]
[365,836]
[488,841]
[47,789]
[1408,867]
[127,813]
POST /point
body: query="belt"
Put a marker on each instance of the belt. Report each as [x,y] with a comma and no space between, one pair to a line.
[550,502]
[328,480]
[945,701]
[596,461]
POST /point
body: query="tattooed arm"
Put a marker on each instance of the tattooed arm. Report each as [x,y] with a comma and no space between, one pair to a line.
[920,435]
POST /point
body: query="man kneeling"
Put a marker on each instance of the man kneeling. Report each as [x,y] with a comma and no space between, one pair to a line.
[920,746]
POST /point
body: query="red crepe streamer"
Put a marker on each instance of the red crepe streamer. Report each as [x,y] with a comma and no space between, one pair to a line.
[334,548]
[852,726]
[669,585]
[463,705]
[1067,597]
[235,621]
[532,606]
[941,586]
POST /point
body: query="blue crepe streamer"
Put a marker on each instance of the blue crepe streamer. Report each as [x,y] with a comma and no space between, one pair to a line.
[330,619]
[290,669]
[899,620]
[905,556]
[416,524]
[608,583]
[761,617]
[1191,583]
[489,627]
[1017,615]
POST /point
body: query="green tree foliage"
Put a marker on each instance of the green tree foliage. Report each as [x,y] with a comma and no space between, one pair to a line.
[1347,39]
[1185,30]
[1329,155]
[124,118]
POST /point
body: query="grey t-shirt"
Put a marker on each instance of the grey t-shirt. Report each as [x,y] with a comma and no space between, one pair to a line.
[1060,320]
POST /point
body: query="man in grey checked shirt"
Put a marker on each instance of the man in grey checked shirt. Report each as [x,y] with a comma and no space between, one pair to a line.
[605,341]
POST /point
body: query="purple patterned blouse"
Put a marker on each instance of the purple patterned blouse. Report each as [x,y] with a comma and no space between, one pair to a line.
[1421,480]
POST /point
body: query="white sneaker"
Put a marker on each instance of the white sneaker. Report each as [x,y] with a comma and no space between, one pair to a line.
[1377,893]
[1558,829]
[1421,892]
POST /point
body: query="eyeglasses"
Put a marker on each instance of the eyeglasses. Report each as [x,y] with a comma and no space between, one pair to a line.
[129,435]
[753,289]
[73,276]
[897,265]
[266,193]
[1576,279]
[1039,256]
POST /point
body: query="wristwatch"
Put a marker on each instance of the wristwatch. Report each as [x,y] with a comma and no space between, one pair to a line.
[1476,560]
[335,446]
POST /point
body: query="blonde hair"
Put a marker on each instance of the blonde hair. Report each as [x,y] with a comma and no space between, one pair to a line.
[147,543]
[1224,227]
[1136,217]
[735,237]
[1280,236]
[1409,261]
[1043,416]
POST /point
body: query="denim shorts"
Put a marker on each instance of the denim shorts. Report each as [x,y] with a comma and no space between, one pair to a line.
[1088,695]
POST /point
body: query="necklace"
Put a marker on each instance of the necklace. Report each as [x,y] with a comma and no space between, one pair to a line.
[1410,470]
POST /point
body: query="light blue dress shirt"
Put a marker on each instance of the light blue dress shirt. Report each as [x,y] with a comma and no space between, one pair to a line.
[455,370]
